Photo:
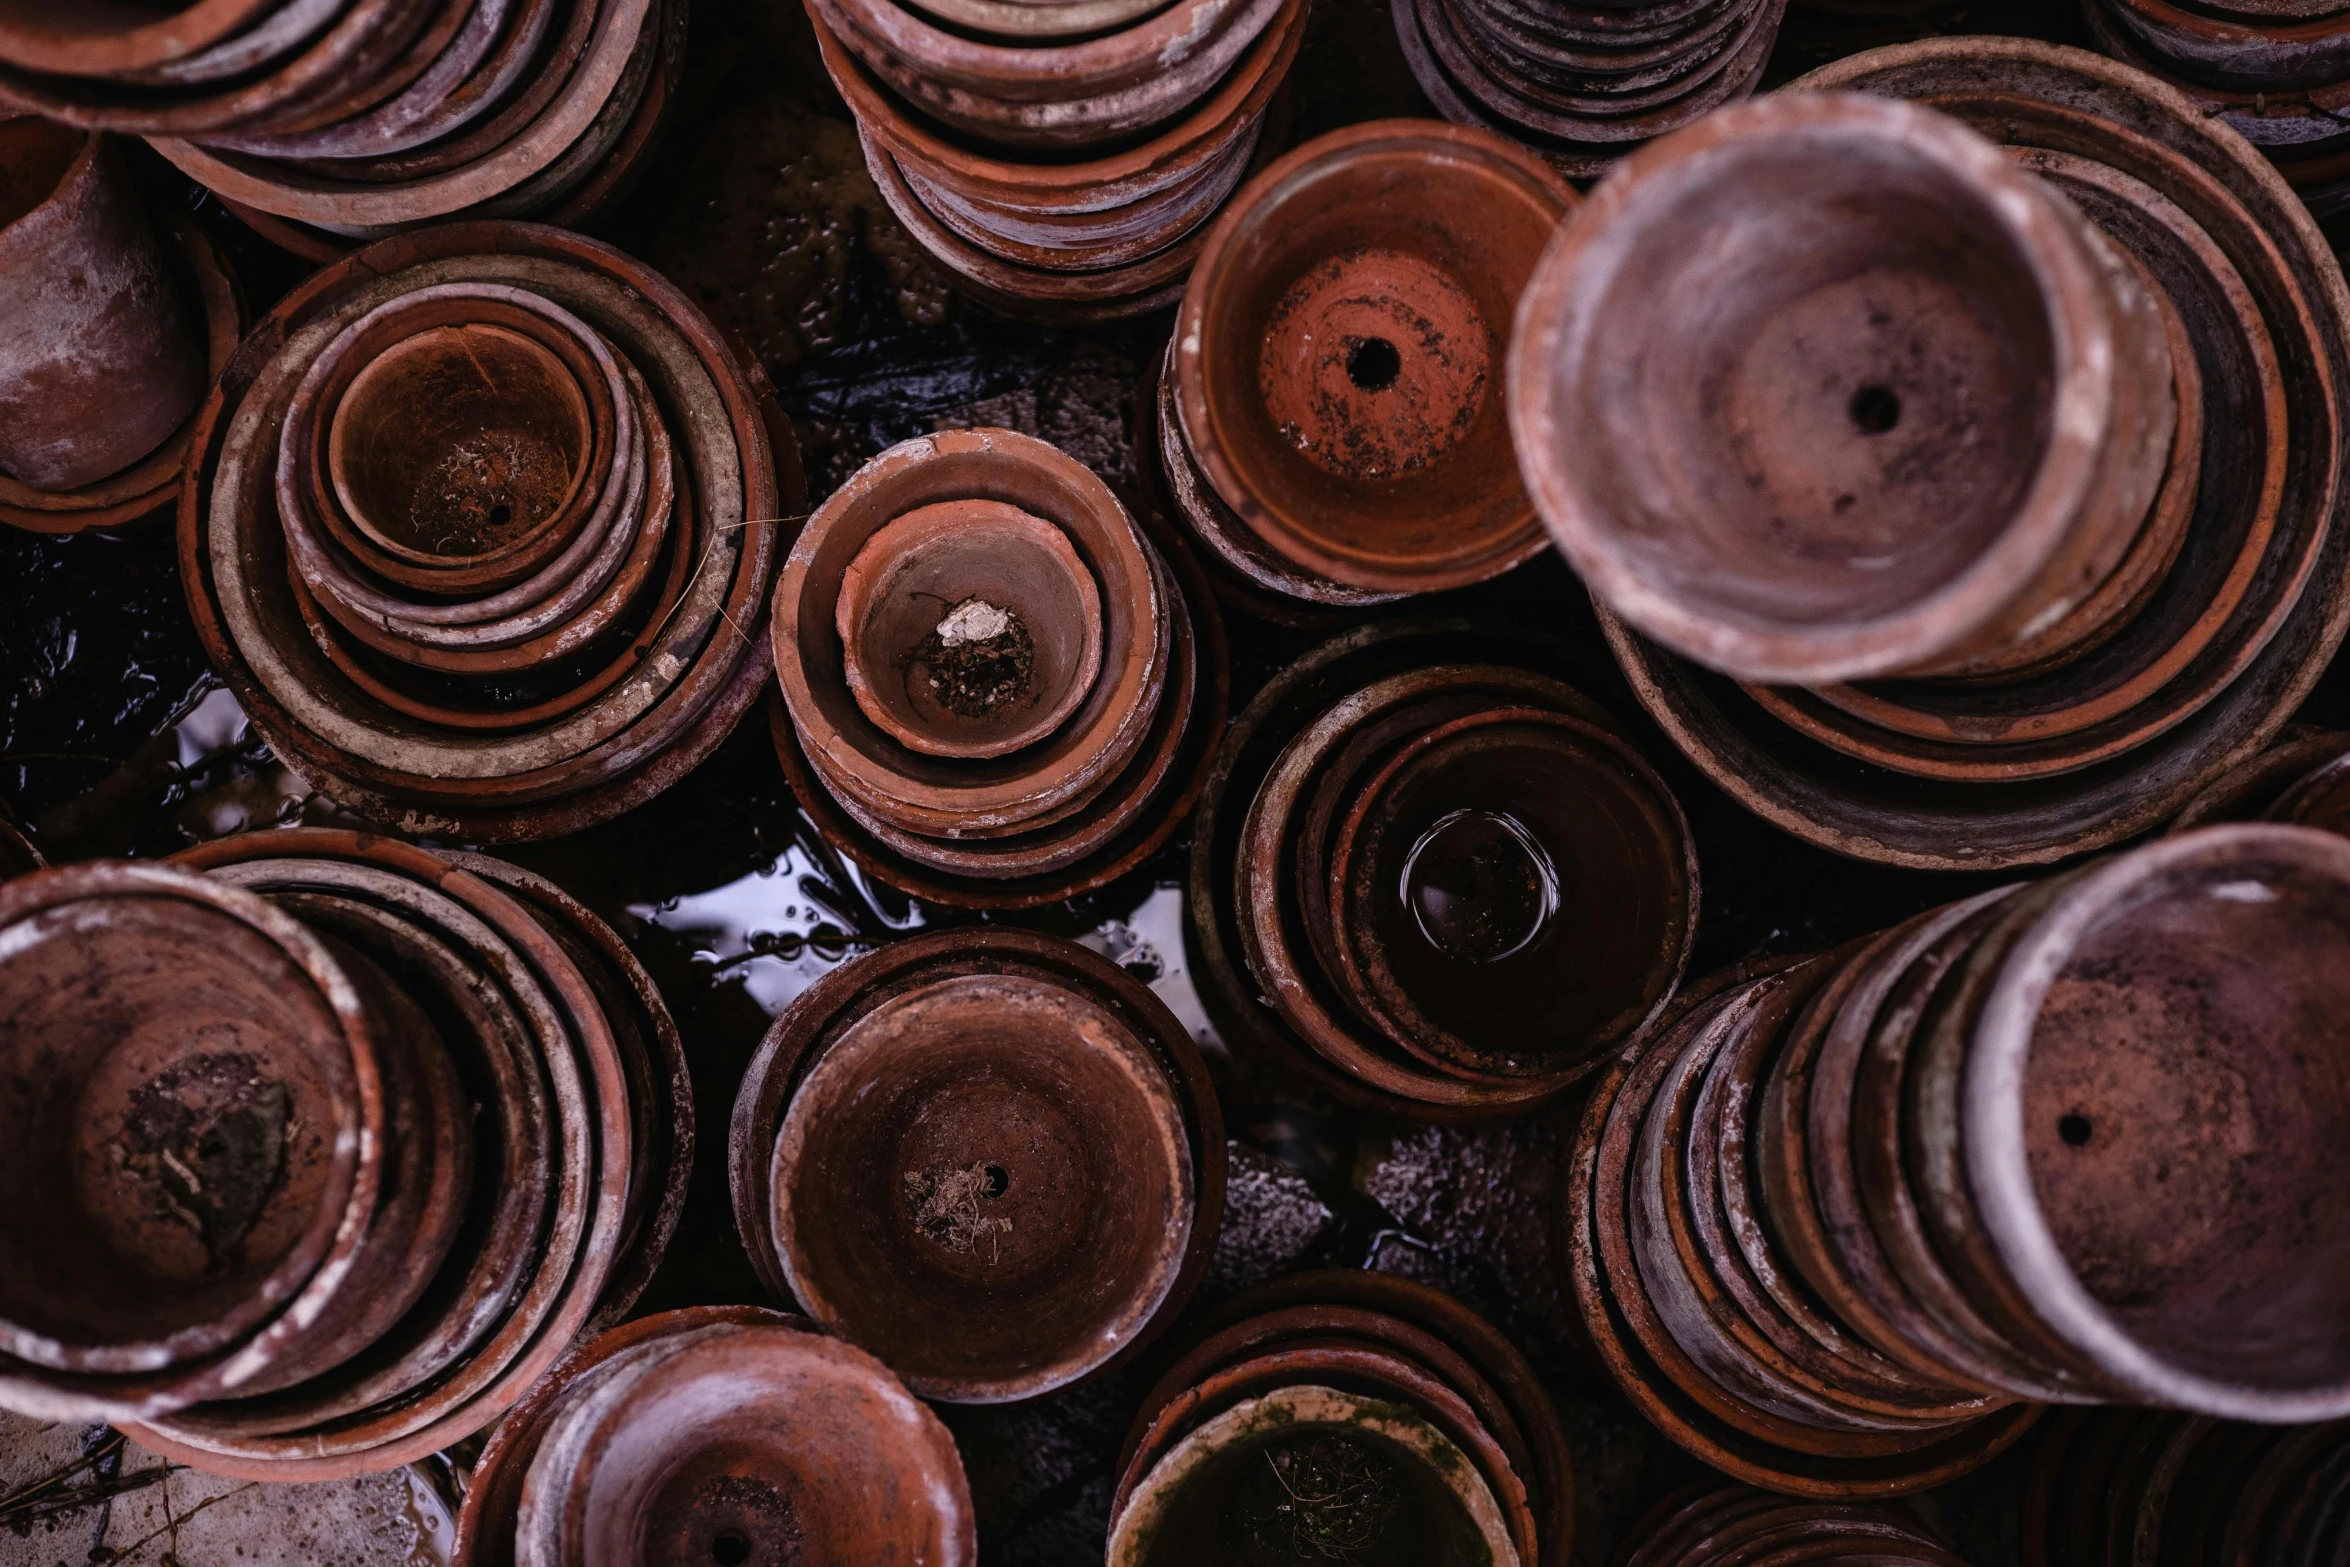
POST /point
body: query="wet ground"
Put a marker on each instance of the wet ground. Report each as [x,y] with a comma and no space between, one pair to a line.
[114,741]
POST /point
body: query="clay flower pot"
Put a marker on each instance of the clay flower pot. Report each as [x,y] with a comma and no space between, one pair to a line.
[969,628]
[1740,1524]
[214,1077]
[1337,362]
[1902,562]
[1044,1186]
[987,1157]
[103,364]
[1582,84]
[718,1433]
[2061,1133]
[339,123]
[921,792]
[2040,764]
[490,1238]
[552,684]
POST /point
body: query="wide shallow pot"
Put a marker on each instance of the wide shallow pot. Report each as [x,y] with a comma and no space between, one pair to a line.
[1337,362]
[517,710]
[102,361]
[2199,676]
[503,1231]
[718,1433]
[989,1157]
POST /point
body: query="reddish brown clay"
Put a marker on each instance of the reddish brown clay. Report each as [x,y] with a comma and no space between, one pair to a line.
[100,364]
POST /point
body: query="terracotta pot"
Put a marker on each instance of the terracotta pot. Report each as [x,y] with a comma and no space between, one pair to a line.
[747,1440]
[189,1028]
[2178,1311]
[40,41]
[103,365]
[1197,1501]
[592,757]
[2248,790]
[1336,360]
[950,796]
[209,290]
[1028,1297]
[2034,519]
[2279,54]
[562,1212]
[1015,582]
[2087,107]
[1744,1525]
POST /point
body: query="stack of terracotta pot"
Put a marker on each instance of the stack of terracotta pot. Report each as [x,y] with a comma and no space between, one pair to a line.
[327,122]
[365,1138]
[718,1434]
[481,527]
[996,690]
[1345,1416]
[1585,83]
[1436,879]
[2303,778]
[1328,421]
[1990,509]
[2279,73]
[115,331]
[993,1158]
[1715,1528]
[1839,1226]
[2175,1489]
[1061,158]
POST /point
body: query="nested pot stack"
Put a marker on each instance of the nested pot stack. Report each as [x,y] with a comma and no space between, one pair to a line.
[366,1138]
[2186,1489]
[1847,1221]
[1062,159]
[329,122]
[1348,1416]
[480,529]
[1584,83]
[2303,778]
[2122,318]
[1435,877]
[113,330]
[1328,420]
[718,1434]
[990,1157]
[996,690]
[1717,1528]
[2277,71]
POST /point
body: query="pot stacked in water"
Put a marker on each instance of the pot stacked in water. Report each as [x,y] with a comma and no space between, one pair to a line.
[120,329]
[1328,422]
[1585,83]
[1840,1225]
[1719,1527]
[990,1157]
[996,690]
[1345,1415]
[718,1434]
[2184,1489]
[329,122]
[1436,878]
[2277,73]
[2121,317]
[481,530]
[369,1136]
[1062,159]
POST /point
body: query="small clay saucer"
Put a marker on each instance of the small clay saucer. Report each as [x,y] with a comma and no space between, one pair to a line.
[969,628]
